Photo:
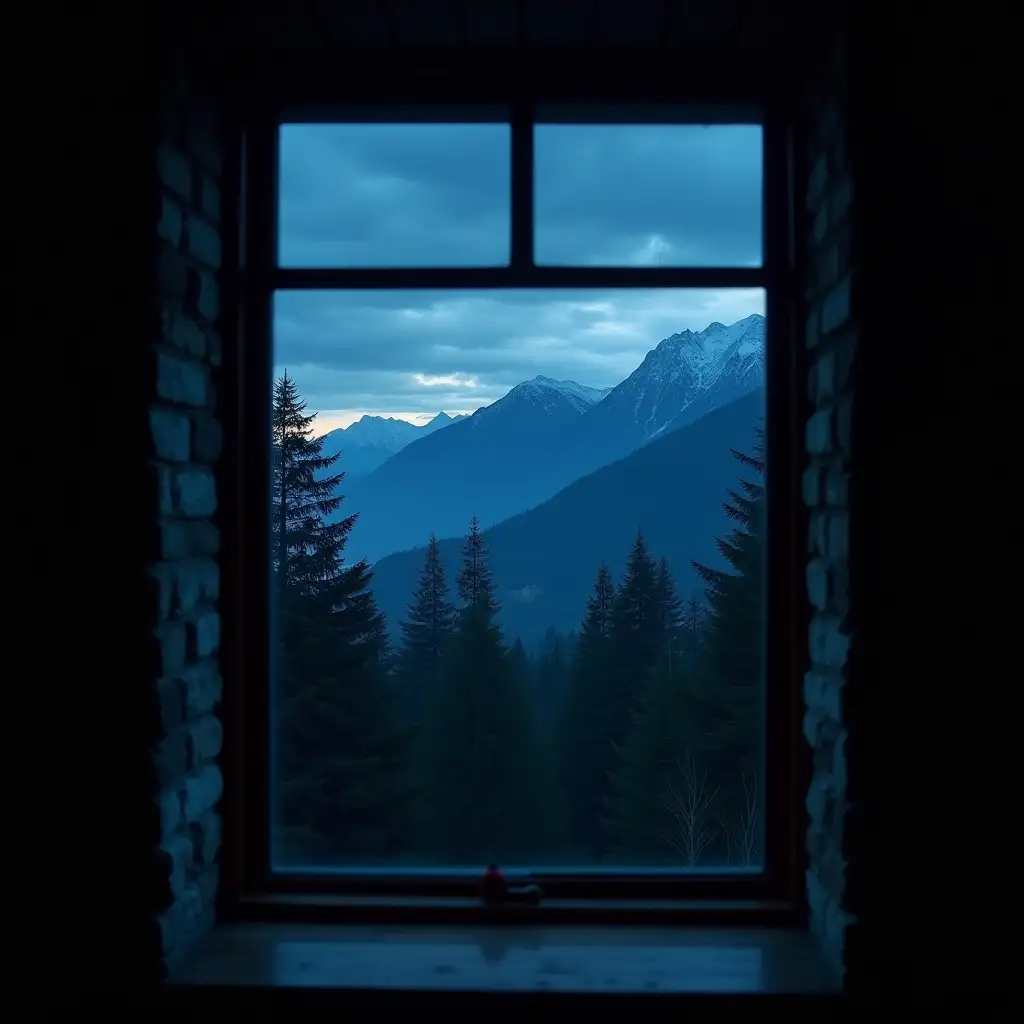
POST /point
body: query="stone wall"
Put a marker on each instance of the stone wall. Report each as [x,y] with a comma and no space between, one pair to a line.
[184,448]
[832,341]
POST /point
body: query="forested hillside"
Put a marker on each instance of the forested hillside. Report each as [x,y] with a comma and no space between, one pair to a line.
[630,736]
[543,560]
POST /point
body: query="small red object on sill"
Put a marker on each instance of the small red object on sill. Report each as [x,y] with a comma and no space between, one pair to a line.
[492,886]
[495,891]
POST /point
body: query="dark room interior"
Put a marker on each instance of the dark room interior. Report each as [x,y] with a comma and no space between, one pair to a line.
[890,817]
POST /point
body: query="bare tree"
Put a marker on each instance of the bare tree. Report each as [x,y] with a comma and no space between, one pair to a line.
[742,833]
[690,803]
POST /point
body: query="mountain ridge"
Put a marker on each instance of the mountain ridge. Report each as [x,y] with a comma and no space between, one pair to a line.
[371,440]
[519,451]
[544,559]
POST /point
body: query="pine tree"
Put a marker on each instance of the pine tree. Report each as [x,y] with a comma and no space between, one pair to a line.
[475,585]
[638,631]
[587,725]
[481,794]
[339,751]
[426,632]
[307,549]
[639,803]
[670,607]
[637,619]
[342,756]
[731,659]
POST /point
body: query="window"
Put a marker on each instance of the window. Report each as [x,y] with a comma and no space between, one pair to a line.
[383,195]
[517,553]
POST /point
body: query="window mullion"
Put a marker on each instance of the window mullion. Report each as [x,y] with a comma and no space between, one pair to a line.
[522,249]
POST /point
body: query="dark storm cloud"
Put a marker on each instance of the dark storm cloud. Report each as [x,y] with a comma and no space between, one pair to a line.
[379,195]
[681,195]
[387,195]
[424,351]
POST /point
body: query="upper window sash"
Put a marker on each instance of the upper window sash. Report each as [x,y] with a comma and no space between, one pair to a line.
[522,269]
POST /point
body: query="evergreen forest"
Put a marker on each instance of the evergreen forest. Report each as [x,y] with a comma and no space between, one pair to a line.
[633,741]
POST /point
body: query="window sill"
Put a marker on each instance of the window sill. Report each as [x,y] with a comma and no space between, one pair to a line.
[291,908]
[424,964]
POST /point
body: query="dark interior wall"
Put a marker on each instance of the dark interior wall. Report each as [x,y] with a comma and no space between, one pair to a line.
[831,337]
[915,443]
[131,738]
[185,435]
[906,462]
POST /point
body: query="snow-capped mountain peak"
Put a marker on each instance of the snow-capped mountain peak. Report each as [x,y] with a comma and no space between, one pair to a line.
[577,392]
[690,373]
[547,396]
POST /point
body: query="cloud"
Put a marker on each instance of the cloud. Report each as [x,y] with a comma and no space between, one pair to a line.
[424,351]
[392,195]
[379,195]
[453,380]
[675,195]
[430,194]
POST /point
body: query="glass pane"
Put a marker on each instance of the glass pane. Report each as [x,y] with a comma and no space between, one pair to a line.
[648,195]
[538,644]
[394,195]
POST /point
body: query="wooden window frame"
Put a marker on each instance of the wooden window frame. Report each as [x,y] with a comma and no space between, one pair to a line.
[249,889]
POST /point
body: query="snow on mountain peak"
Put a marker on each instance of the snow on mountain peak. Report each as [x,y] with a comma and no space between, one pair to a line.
[703,355]
[549,395]
[583,392]
[690,370]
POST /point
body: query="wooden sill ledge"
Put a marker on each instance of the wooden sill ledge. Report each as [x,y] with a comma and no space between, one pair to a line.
[423,963]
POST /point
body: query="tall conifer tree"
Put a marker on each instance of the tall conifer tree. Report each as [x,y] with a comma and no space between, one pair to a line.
[426,631]
[637,620]
[670,607]
[731,658]
[587,725]
[481,793]
[339,753]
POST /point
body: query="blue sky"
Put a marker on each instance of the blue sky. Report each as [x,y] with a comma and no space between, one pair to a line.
[429,195]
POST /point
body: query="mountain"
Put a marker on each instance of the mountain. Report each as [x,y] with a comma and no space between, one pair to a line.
[482,465]
[372,440]
[515,454]
[681,380]
[544,560]
[548,396]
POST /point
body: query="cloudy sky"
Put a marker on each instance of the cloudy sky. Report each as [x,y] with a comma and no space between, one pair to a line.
[430,195]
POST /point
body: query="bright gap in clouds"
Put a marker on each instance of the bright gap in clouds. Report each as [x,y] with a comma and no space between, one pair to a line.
[335,419]
[451,380]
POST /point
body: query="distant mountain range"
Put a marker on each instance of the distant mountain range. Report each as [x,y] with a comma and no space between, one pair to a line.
[372,440]
[544,560]
[523,449]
